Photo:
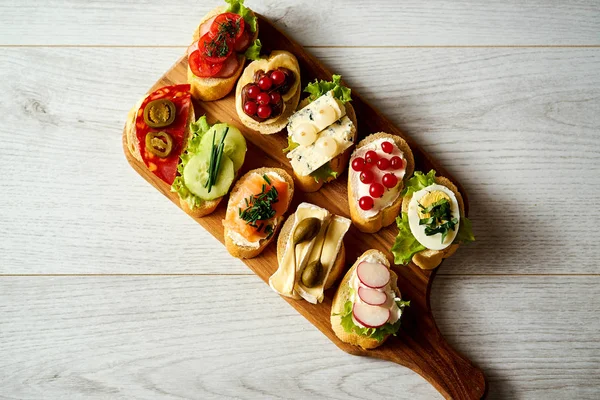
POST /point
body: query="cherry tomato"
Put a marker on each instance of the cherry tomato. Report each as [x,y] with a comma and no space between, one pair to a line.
[200,67]
[366,176]
[366,203]
[252,91]
[387,147]
[275,97]
[213,50]
[228,24]
[358,164]
[264,111]
[376,190]
[277,77]
[389,180]
[383,163]
[396,162]
[263,98]
[250,108]
[371,157]
[265,83]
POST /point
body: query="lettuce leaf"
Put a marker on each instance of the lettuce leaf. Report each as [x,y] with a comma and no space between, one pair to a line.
[374,333]
[291,145]
[324,172]
[253,52]
[237,7]
[198,129]
[465,232]
[406,245]
[319,88]
[418,181]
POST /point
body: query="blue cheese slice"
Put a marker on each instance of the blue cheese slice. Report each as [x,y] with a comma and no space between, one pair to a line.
[307,159]
[316,116]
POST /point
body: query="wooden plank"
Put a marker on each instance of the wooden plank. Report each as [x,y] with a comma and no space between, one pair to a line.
[420,347]
[355,23]
[214,337]
[522,139]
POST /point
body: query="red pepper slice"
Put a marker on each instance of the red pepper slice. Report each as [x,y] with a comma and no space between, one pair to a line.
[228,24]
[201,67]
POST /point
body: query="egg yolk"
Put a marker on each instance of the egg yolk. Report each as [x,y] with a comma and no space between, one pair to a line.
[430,198]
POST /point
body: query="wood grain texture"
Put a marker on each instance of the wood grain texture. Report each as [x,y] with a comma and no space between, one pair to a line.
[419,344]
[339,22]
[518,127]
[189,338]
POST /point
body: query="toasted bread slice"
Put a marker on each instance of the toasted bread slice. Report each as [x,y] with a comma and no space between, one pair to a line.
[307,183]
[277,58]
[240,251]
[338,265]
[387,215]
[343,295]
[209,89]
[430,259]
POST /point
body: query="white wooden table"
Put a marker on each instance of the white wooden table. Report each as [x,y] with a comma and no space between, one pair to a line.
[101,299]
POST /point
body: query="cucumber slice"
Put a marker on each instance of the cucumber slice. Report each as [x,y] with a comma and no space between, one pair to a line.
[195,175]
[235,143]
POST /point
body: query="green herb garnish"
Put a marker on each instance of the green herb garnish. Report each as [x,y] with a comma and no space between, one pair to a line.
[259,207]
[216,154]
[440,218]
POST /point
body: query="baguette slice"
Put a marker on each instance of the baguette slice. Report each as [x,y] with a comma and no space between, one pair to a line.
[343,295]
[337,267]
[277,58]
[239,251]
[387,215]
[430,259]
[307,183]
[209,89]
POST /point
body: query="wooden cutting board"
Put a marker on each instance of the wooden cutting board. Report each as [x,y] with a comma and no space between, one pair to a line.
[419,344]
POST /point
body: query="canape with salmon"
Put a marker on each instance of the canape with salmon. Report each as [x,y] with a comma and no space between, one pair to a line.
[255,210]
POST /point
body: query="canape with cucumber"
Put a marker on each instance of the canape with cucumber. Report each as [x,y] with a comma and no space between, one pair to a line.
[208,166]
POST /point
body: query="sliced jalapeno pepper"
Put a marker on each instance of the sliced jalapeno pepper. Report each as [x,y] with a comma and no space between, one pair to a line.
[159,143]
[159,113]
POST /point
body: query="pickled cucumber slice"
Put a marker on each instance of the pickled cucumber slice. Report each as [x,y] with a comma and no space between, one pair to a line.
[195,175]
[234,145]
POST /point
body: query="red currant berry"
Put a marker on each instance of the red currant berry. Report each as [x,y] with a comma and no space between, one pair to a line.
[387,147]
[252,91]
[358,164]
[376,190]
[389,180]
[396,162]
[277,77]
[366,176]
[265,83]
[383,163]
[264,111]
[275,98]
[366,203]
[250,108]
[263,98]
[371,157]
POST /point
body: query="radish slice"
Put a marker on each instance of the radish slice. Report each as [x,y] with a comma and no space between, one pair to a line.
[373,275]
[205,27]
[370,316]
[229,67]
[371,296]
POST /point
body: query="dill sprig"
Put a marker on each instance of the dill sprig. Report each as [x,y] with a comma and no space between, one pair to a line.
[440,218]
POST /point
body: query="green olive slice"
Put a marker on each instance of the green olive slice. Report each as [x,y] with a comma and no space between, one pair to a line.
[159,113]
[159,143]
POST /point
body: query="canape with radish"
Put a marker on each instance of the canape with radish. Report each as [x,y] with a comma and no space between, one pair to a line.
[367,307]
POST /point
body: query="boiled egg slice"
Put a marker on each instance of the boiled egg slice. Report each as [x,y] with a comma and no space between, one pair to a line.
[427,197]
